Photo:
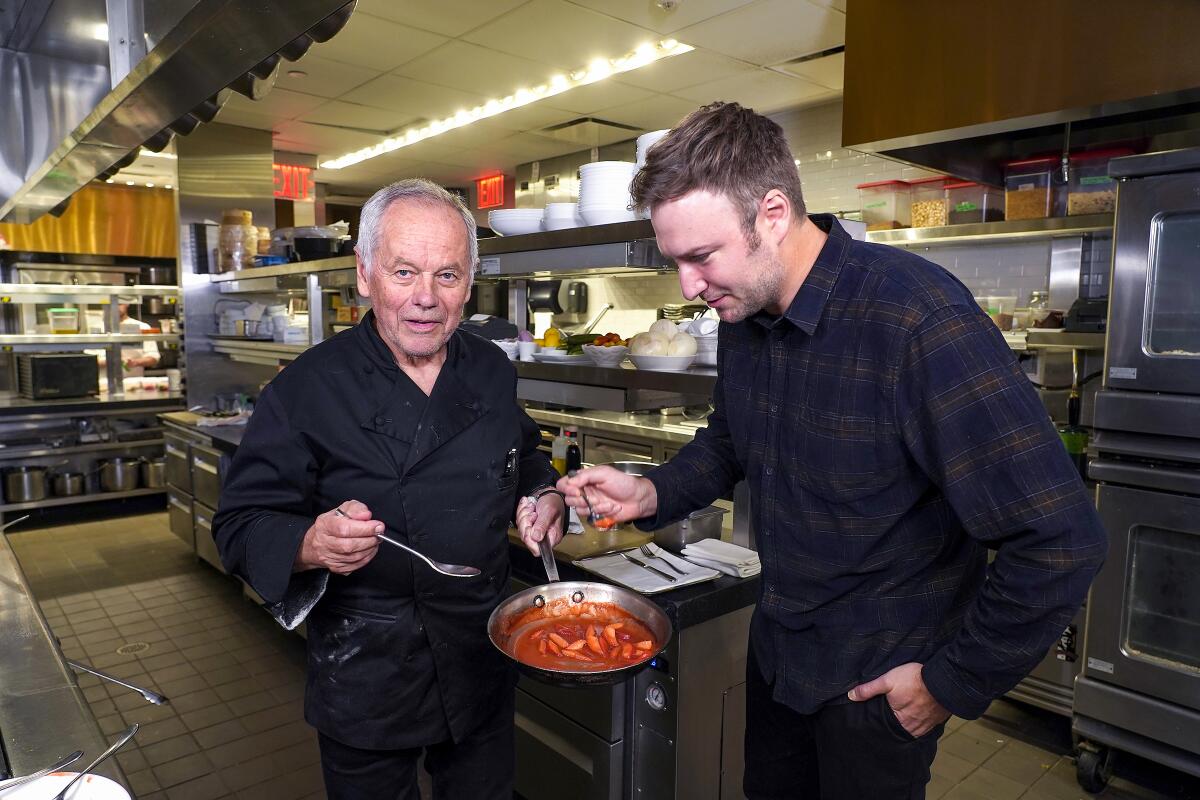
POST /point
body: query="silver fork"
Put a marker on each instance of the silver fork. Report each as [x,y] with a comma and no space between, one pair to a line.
[649,553]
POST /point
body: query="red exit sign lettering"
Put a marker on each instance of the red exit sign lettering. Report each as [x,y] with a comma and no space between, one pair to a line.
[293,182]
[490,191]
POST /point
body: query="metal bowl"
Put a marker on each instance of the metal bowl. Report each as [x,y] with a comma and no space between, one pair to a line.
[639,468]
[644,610]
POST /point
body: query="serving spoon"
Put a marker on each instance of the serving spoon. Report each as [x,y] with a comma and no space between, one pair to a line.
[453,570]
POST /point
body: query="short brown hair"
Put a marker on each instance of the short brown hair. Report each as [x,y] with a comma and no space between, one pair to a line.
[722,148]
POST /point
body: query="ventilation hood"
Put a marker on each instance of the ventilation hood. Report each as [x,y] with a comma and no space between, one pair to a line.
[962,88]
[86,83]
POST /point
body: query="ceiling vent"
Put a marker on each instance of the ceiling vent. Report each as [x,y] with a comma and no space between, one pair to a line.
[589,132]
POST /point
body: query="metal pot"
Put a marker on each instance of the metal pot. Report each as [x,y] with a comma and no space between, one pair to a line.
[702,524]
[158,276]
[653,617]
[156,306]
[119,474]
[24,484]
[68,484]
[154,473]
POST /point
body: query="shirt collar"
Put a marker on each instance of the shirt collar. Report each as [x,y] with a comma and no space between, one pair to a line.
[809,303]
[380,354]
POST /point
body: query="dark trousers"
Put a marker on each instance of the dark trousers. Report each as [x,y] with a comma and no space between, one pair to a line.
[481,767]
[843,751]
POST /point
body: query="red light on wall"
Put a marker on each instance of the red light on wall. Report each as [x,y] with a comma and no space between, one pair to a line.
[489,192]
[293,182]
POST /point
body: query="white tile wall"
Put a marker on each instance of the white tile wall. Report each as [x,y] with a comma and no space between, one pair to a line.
[1006,269]
[636,300]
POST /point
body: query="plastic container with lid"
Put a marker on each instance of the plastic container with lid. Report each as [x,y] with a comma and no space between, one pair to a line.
[929,205]
[974,202]
[1089,189]
[63,320]
[1029,188]
[886,205]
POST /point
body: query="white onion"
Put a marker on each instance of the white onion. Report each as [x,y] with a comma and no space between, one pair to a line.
[665,328]
[649,344]
[682,345]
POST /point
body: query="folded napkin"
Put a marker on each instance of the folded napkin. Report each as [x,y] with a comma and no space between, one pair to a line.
[725,557]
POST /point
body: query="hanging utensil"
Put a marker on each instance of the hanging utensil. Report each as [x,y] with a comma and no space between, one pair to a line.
[125,737]
[453,570]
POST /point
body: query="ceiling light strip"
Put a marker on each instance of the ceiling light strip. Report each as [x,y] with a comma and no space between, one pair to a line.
[598,70]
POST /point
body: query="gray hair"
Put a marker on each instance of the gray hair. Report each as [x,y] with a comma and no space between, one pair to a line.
[417,190]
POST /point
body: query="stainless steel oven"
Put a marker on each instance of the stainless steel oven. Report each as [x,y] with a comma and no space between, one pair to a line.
[1154,305]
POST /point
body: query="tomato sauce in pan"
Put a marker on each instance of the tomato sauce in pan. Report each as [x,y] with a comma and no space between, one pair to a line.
[587,637]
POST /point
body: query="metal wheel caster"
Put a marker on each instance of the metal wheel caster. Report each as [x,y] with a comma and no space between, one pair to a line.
[1093,767]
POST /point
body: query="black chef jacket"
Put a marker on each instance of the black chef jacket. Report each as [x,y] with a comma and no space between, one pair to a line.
[398,655]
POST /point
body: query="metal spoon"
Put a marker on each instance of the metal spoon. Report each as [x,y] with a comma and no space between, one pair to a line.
[453,570]
[125,737]
[65,761]
[594,519]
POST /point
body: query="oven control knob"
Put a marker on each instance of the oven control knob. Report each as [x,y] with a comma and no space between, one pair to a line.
[656,696]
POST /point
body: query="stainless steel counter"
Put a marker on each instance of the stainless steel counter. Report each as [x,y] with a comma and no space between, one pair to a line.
[12,405]
[43,714]
[672,429]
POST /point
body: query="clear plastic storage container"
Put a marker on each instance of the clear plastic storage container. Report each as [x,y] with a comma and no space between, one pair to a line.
[886,205]
[63,320]
[930,207]
[1089,189]
[974,202]
[1029,188]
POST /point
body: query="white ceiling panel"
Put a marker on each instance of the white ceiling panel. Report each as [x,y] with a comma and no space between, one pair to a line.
[825,71]
[531,117]
[472,68]
[324,77]
[353,115]
[559,34]
[413,97]
[304,137]
[651,113]
[246,117]
[447,17]
[840,5]
[377,43]
[761,90]
[279,104]
[648,14]
[679,72]
[595,96]
[769,31]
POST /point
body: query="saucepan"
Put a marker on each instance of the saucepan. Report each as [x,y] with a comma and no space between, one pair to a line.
[500,627]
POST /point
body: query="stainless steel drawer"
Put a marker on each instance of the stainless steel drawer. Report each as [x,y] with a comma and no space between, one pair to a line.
[179,511]
[179,466]
[206,548]
[206,475]
[557,758]
[602,450]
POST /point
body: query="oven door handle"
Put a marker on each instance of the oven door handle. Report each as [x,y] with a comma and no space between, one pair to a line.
[1156,477]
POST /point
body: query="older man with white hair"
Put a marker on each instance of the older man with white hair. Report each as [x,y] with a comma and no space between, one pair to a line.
[409,425]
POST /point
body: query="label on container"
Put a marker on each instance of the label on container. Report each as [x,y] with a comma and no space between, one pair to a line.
[489,266]
[877,204]
[1026,186]
[1100,666]
[966,206]
[1094,180]
[1123,373]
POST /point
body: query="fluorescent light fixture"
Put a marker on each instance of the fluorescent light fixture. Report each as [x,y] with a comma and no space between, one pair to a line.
[168,186]
[597,70]
[149,185]
[130,183]
[110,180]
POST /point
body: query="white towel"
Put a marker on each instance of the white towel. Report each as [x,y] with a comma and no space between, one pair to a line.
[724,552]
[721,566]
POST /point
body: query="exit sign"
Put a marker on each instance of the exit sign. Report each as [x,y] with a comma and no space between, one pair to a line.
[293,182]
[489,191]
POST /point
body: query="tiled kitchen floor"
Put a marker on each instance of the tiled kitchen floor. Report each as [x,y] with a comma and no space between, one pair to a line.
[234,726]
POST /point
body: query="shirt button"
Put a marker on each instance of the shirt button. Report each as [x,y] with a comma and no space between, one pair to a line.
[770,587]
[770,470]
[379,420]
[774,408]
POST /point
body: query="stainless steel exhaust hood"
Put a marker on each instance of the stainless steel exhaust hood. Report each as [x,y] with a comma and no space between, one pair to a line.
[963,87]
[67,121]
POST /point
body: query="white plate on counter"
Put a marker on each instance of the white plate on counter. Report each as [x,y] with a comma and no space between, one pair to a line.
[558,357]
[614,567]
[92,787]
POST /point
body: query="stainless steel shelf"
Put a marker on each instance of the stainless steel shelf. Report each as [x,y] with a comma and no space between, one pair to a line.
[9,453]
[76,339]
[256,351]
[96,295]
[995,231]
[284,270]
[51,502]
[1062,341]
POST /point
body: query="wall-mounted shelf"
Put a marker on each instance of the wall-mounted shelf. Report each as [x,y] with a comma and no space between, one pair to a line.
[256,351]
[94,295]
[42,342]
[51,502]
[9,453]
[1024,229]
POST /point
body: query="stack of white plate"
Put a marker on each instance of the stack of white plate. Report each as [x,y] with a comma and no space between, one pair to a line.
[515,221]
[645,141]
[604,192]
[561,215]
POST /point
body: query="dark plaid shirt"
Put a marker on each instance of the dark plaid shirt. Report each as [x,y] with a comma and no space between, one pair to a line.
[889,439]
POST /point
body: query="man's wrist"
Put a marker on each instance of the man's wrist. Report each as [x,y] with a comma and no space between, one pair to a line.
[647,498]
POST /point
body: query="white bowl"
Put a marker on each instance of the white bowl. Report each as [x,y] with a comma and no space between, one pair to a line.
[554,210]
[607,216]
[511,347]
[515,221]
[562,223]
[662,363]
[602,356]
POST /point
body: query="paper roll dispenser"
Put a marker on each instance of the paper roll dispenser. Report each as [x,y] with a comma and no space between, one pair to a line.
[577,297]
[543,296]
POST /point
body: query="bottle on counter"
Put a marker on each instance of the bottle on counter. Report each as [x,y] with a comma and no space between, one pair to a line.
[558,453]
[574,453]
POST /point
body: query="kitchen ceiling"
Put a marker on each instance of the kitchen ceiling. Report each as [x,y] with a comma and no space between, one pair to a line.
[400,64]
